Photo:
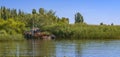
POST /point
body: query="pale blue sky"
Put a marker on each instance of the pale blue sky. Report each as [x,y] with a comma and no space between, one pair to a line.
[94,11]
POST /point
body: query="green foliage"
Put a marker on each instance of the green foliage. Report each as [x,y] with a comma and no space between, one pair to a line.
[9,37]
[78,18]
[34,11]
[12,26]
[41,11]
[112,24]
[101,23]
[3,13]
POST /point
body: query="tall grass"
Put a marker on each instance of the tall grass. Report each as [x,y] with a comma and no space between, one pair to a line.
[82,31]
[97,32]
[11,37]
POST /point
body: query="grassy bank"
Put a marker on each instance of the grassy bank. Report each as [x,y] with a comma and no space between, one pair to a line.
[83,31]
[8,37]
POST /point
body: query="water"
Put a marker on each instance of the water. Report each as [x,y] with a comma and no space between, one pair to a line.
[62,48]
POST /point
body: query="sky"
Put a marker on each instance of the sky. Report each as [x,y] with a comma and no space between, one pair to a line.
[93,11]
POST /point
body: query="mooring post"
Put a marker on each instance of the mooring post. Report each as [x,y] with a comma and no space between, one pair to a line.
[17,53]
[33,47]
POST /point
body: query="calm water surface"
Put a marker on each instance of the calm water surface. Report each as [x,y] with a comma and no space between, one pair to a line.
[62,48]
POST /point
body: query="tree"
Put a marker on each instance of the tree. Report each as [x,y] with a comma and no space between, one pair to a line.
[101,23]
[78,18]
[13,13]
[19,12]
[64,20]
[10,26]
[3,13]
[51,12]
[41,11]
[8,13]
[34,11]
[112,24]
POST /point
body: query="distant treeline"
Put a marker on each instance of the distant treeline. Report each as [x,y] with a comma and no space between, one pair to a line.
[15,22]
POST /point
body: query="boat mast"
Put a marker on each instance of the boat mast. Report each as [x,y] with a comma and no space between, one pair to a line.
[33,42]
[32,28]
